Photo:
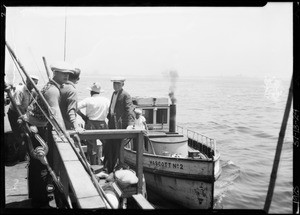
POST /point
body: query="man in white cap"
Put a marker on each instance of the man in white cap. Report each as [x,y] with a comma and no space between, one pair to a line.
[119,117]
[38,175]
[23,96]
[96,110]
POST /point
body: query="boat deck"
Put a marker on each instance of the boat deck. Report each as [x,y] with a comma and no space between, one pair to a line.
[16,189]
[16,192]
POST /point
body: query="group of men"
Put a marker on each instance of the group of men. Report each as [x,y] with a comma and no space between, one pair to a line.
[23,97]
[61,96]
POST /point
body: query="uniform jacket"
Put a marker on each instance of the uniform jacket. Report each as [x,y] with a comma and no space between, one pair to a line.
[123,111]
[68,103]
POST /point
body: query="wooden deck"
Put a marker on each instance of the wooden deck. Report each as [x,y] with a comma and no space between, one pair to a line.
[16,191]
[15,177]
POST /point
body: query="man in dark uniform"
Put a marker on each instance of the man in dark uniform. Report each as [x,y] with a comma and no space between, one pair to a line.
[38,176]
[119,117]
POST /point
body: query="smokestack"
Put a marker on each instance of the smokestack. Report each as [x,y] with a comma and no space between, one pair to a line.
[173,78]
[172,121]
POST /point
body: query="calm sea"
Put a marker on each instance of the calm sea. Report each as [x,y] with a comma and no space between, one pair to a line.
[244,116]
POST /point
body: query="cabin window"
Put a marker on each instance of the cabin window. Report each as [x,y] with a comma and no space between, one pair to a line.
[148,114]
[162,116]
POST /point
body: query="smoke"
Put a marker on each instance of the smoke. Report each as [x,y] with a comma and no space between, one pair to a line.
[173,76]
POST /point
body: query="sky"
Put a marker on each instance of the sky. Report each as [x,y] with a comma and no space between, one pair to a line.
[147,41]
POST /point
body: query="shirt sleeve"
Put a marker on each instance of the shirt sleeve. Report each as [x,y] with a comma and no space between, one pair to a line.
[107,107]
[81,104]
[72,105]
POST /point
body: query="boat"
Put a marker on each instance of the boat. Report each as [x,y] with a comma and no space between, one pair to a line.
[179,164]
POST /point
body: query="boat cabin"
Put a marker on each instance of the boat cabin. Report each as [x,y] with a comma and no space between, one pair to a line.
[166,137]
[155,110]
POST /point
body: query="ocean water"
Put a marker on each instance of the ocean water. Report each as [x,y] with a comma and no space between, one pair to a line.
[244,115]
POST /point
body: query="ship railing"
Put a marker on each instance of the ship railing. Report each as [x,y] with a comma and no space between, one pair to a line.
[206,142]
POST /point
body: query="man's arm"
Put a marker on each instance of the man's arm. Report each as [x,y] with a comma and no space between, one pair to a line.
[72,107]
[129,109]
[144,122]
[82,104]
[19,97]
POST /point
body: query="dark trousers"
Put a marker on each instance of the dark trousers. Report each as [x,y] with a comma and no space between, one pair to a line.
[17,147]
[92,151]
[111,152]
[38,176]
[111,149]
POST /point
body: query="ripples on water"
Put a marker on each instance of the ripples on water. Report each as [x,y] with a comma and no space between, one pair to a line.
[230,172]
[246,124]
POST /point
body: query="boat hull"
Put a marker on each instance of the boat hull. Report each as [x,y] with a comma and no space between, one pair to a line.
[185,181]
[188,193]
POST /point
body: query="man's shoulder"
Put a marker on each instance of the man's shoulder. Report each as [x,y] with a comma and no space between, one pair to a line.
[52,90]
[67,88]
[124,93]
[66,85]
[102,98]
[69,84]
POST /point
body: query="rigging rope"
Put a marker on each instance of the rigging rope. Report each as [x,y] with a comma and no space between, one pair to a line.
[36,64]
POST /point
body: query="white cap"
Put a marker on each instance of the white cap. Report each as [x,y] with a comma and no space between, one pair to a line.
[62,66]
[137,110]
[118,79]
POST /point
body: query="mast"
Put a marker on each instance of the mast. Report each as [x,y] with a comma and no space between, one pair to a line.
[278,149]
[65,39]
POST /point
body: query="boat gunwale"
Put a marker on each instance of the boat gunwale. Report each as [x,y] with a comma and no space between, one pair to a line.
[184,176]
[176,174]
[216,157]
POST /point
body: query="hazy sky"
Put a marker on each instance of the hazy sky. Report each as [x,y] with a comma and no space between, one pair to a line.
[194,41]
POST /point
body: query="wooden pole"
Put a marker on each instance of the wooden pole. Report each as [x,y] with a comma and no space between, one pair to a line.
[65,38]
[278,149]
[46,67]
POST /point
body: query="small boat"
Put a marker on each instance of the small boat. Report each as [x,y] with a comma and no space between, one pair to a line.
[179,165]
